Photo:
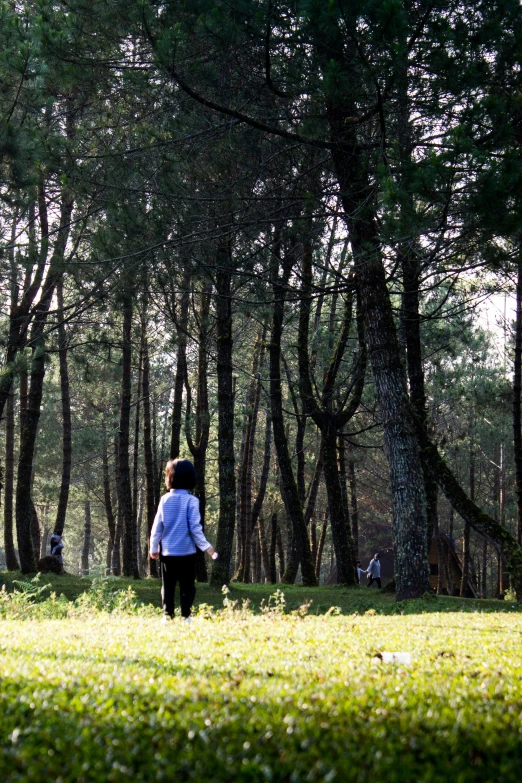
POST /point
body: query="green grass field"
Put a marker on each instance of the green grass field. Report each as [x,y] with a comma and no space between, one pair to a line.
[276,695]
[351,600]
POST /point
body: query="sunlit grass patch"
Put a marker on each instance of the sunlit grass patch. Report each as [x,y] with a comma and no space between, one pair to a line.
[266,696]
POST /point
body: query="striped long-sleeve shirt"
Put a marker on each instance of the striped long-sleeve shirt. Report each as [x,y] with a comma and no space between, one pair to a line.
[178,525]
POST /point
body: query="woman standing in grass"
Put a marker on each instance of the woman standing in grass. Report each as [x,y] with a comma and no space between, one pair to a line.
[177,532]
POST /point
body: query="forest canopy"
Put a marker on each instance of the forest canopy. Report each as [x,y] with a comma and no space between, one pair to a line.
[265,236]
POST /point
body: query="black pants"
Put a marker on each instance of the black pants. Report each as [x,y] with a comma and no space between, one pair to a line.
[178,569]
[375,579]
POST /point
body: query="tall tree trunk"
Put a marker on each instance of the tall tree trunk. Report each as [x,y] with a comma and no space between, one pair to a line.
[338,512]
[517,392]
[411,327]
[353,171]
[35,531]
[11,560]
[181,368]
[107,499]
[272,572]
[240,530]
[158,462]
[440,560]
[66,417]
[256,557]
[116,549]
[320,547]
[136,545]
[485,568]
[245,475]
[124,477]
[314,488]
[86,538]
[45,536]
[30,417]
[300,420]
[280,550]
[227,480]
[30,414]
[198,448]
[330,417]
[263,543]
[294,509]
[467,529]
[312,501]
[252,520]
[147,441]
[353,502]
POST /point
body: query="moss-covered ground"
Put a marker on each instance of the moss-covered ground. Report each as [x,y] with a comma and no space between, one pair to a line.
[277,695]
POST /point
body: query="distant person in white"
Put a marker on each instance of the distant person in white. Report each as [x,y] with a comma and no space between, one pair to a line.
[177,532]
[374,570]
[360,572]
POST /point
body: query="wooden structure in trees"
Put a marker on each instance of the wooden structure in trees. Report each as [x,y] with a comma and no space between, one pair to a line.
[452,569]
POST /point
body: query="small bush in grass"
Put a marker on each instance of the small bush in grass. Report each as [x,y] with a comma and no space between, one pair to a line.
[276,603]
[105,596]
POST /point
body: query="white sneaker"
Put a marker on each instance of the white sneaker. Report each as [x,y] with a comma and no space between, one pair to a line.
[166,619]
[187,619]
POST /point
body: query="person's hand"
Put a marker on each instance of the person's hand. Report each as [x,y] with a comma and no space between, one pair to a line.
[154,555]
[211,552]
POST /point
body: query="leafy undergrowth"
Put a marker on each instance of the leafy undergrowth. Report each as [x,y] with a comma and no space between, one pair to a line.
[349,600]
[269,696]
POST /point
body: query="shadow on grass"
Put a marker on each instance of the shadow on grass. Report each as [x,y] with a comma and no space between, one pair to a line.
[55,732]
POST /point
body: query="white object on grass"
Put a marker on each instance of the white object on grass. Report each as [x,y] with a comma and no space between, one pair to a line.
[396,657]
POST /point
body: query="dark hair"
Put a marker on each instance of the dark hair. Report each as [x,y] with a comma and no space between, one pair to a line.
[180,474]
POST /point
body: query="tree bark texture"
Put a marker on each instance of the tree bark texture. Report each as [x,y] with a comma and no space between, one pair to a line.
[263,543]
[517,400]
[136,546]
[66,417]
[320,547]
[35,531]
[181,369]
[107,499]
[29,428]
[330,418]
[280,550]
[86,548]
[198,447]
[11,560]
[412,333]
[124,487]
[227,480]
[150,478]
[353,170]
[353,503]
[293,506]
[466,552]
[272,571]
[246,522]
